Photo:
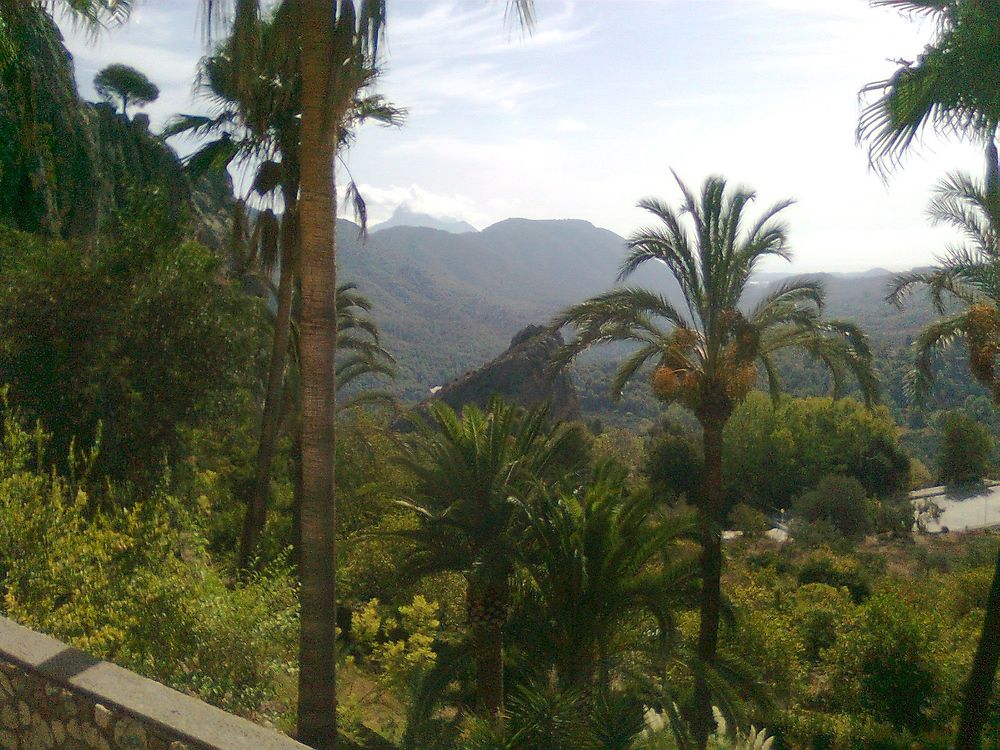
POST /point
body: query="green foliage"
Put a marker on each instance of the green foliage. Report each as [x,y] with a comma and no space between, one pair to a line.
[748,520]
[835,653]
[140,337]
[674,466]
[774,454]
[128,85]
[607,576]
[838,501]
[818,610]
[66,165]
[966,453]
[836,571]
[400,646]
[920,475]
[886,654]
[134,584]
[620,445]
[467,469]
[947,86]
[544,716]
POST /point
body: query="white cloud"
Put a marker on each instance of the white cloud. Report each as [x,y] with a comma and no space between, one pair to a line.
[382,201]
[460,54]
[570,125]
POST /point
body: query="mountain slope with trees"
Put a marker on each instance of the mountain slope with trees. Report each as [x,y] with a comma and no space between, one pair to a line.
[66,165]
[446,303]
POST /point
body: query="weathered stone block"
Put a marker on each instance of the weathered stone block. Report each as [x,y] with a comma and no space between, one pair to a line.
[102,716]
[129,735]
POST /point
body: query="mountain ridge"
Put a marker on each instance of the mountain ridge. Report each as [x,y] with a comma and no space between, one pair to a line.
[404,216]
[447,303]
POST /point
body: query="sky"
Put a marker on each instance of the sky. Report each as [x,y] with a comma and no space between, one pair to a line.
[593,110]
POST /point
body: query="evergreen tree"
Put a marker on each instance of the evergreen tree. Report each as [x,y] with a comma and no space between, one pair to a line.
[127,85]
[966,449]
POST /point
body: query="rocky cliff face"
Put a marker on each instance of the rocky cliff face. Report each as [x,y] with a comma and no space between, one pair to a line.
[519,375]
[66,165]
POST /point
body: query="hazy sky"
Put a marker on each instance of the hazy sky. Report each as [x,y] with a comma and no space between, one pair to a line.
[591,112]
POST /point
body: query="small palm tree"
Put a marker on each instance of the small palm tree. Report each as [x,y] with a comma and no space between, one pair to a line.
[467,471]
[967,277]
[707,351]
[599,558]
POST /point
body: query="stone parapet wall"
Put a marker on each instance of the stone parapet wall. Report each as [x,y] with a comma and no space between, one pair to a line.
[53,697]
[36,713]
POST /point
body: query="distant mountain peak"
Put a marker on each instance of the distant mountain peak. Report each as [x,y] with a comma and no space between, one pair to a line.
[404,216]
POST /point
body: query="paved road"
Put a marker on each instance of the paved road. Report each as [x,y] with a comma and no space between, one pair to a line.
[964,510]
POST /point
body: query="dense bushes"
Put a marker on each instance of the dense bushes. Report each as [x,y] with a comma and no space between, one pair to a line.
[133,582]
[966,453]
[139,335]
[857,654]
[774,454]
[838,502]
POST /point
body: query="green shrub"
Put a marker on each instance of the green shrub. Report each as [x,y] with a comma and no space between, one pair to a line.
[749,520]
[818,611]
[966,452]
[134,584]
[836,571]
[884,663]
[142,336]
[839,501]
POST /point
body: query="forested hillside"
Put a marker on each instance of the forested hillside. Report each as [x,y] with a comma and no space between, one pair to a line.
[206,474]
[447,303]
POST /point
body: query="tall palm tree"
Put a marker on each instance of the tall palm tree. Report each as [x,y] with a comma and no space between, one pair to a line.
[967,277]
[707,349]
[951,86]
[360,356]
[336,59]
[467,471]
[339,43]
[259,121]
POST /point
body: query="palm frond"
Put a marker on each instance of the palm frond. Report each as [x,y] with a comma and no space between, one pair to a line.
[935,337]
[212,157]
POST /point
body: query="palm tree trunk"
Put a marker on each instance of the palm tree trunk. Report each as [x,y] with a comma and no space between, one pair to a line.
[253,524]
[488,645]
[979,687]
[317,709]
[703,723]
[487,613]
[296,496]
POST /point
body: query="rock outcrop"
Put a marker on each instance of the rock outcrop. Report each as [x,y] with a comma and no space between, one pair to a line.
[520,376]
[66,165]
